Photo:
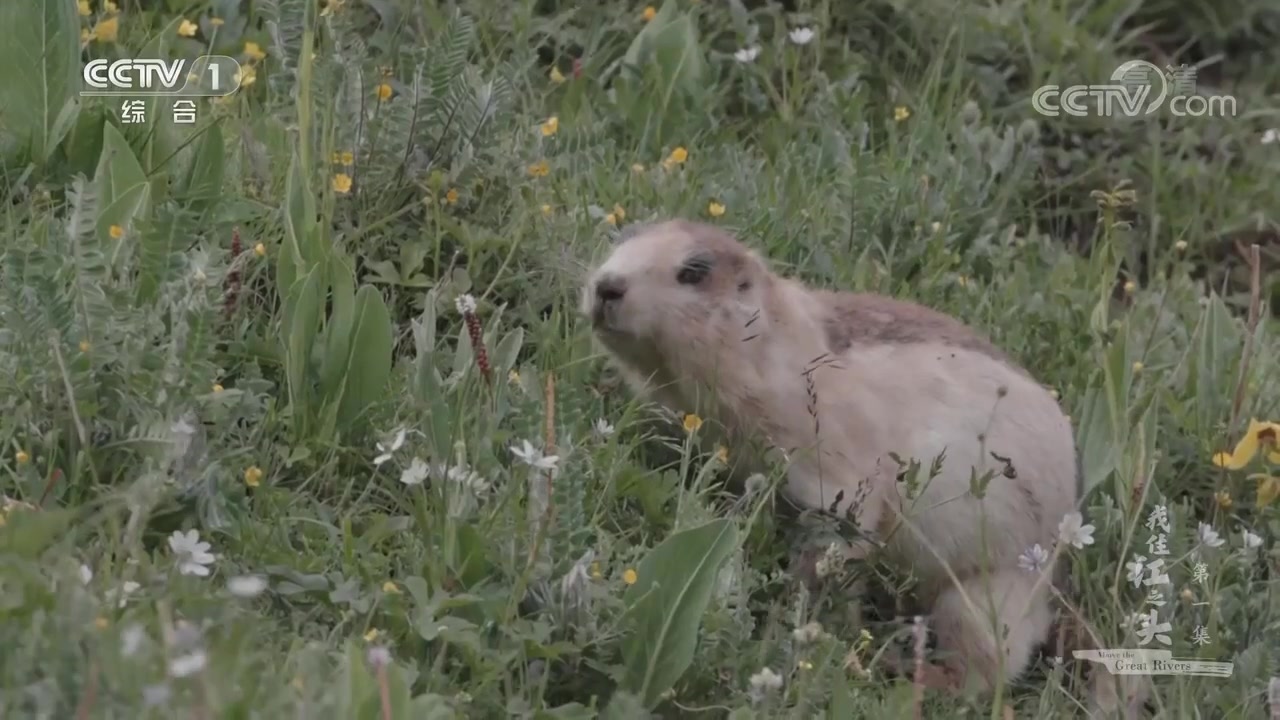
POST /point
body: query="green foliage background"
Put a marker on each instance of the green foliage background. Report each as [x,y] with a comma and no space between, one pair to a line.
[249,327]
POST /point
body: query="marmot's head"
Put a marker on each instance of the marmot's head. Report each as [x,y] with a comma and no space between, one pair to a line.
[675,288]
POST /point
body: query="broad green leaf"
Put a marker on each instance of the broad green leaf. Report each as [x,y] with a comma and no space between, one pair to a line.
[28,533]
[38,104]
[359,688]
[303,323]
[299,215]
[507,351]
[665,606]
[123,192]
[370,363]
[339,328]
[202,184]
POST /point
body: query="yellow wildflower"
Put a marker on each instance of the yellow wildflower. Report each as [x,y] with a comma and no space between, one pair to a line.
[1260,435]
[100,623]
[344,158]
[556,76]
[1138,367]
[217,388]
[649,13]
[84,346]
[109,7]
[722,454]
[595,570]
[805,665]
[451,197]
[611,219]
[546,210]
[253,476]
[629,576]
[390,588]
[245,76]
[82,6]
[540,169]
[692,422]
[901,113]
[1223,498]
[116,232]
[1180,246]
[513,377]
[1268,489]
[260,250]
[341,183]
[715,209]
[637,168]
[186,28]
[21,457]
[216,21]
[384,91]
[107,30]
[551,126]
[617,210]
[372,635]
[253,51]
[1130,287]
[677,157]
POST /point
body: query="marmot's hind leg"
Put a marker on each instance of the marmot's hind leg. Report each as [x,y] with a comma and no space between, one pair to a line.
[967,631]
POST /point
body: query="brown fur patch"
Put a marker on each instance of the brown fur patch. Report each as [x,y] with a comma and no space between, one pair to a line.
[868,319]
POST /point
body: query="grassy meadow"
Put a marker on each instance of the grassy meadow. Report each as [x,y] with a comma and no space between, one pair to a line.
[298,417]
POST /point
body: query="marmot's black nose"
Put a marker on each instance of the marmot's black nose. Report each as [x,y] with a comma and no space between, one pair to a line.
[610,287]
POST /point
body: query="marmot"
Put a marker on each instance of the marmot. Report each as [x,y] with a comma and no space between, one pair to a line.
[701,323]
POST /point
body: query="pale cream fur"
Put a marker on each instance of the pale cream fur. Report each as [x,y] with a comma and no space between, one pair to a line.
[889,377]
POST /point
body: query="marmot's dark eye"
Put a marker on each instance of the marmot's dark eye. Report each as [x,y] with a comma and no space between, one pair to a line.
[693,271]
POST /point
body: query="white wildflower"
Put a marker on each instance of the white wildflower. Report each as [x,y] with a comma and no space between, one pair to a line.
[747,54]
[808,634]
[1033,558]
[1270,136]
[1251,541]
[801,36]
[467,478]
[1209,536]
[190,553]
[386,451]
[153,695]
[416,473]
[466,304]
[120,595]
[86,574]
[603,428]
[378,656]
[131,639]
[764,682]
[830,561]
[533,457]
[1073,531]
[247,586]
[188,664]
